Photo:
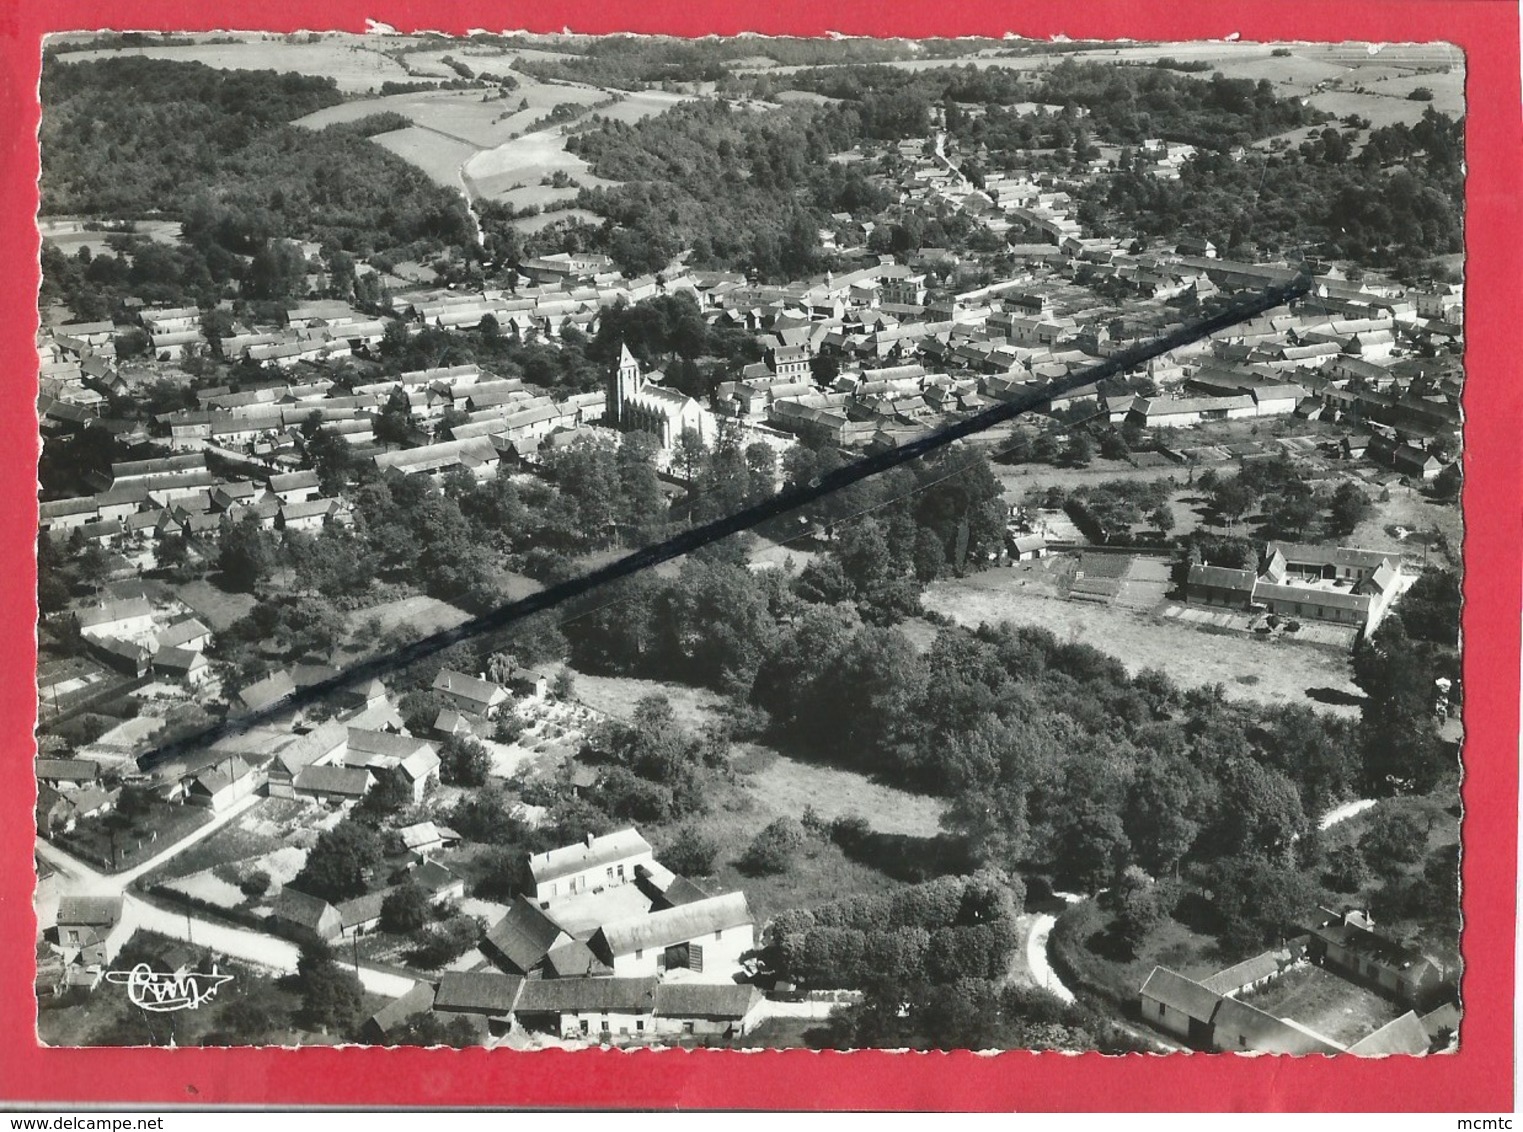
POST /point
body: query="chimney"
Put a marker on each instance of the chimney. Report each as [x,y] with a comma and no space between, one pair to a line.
[589,840]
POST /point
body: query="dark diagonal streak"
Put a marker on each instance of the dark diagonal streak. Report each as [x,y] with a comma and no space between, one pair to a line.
[697,537]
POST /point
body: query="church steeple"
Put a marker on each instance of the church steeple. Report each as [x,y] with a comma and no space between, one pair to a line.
[623,383]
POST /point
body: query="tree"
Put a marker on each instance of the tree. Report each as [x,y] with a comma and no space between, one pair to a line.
[394,423]
[1394,840]
[1159,817]
[243,1021]
[330,994]
[691,852]
[1163,519]
[772,850]
[1230,498]
[426,1029]
[1446,485]
[690,453]
[1346,869]
[404,910]
[338,864]
[1080,449]
[464,761]
[1138,909]
[245,554]
[1349,508]
[256,884]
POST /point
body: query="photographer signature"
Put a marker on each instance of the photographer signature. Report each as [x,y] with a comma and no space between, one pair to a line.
[164,991]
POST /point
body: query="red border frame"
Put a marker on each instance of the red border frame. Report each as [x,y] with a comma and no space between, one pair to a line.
[1478,1078]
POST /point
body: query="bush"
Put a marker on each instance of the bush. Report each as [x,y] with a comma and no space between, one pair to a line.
[256,884]
[446,942]
[404,910]
[773,849]
[691,853]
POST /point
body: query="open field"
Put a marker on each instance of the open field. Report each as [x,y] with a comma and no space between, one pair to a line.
[513,170]
[64,234]
[354,66]
[437,155]
[425,614]
[790,786]
[480,121]
[616,696]
[1326,1003]
[1248,668]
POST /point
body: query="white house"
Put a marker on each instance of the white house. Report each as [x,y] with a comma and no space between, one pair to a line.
[707,937]
[597,862]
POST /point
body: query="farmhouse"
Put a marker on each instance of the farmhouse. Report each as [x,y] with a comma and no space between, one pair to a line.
[91,930]
[487,993]
[319,745]
[1218,585]
[521,940]
[380,1026]
[473,697]
[1207,1019]
[185,665]
[688,1009]
[1344,945]
[1157,412]
[332,783]
[223,785]
[588,1008]
[123,619]
[704,936]
[1179,1005]
[1406,1034]
[301,917]
[594,863]
[66,774]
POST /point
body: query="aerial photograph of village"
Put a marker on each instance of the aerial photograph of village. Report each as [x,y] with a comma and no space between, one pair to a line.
[1130,724]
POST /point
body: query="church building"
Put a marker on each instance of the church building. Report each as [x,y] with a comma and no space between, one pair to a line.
[635,401]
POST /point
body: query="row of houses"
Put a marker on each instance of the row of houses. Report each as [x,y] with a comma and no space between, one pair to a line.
[620,1011]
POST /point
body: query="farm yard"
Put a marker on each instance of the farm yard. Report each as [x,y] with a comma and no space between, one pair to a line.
[1325,1004]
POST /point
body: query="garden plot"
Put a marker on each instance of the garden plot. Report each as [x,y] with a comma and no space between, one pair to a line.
[209,888]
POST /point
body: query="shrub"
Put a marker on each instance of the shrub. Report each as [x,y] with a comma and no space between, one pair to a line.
[691,852]
[404,910]
[773,849]
[256,884]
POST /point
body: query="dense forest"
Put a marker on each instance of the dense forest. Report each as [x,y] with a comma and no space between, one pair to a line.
[215,150]
[635,62]
[1395,203]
